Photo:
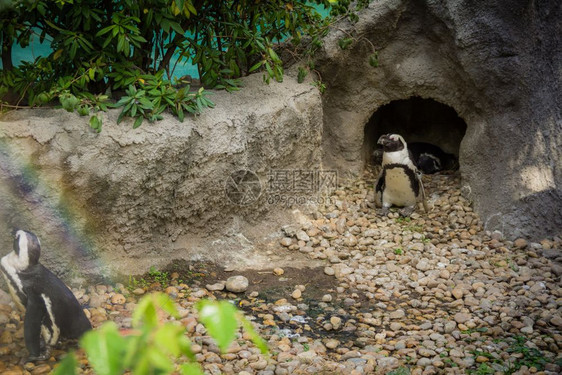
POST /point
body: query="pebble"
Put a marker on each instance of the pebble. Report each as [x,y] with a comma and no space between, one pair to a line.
[556,320]
[216,286]
[332,343]
[398,314]
[462,317]
[237,284]
[336,322]
[302,236]
[431,293]
[118,299]
[520,243]
[286,241]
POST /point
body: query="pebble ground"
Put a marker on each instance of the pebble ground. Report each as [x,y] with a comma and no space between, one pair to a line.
[429,294]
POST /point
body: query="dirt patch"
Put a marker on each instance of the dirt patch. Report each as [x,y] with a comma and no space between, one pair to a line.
[308,315]
[270,287]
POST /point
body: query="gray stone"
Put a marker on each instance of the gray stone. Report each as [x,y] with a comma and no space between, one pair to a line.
[237,284]
[215,286]
[387,362]
[423,265]
[450,326]
[301,235]
[462,317]
[398,314]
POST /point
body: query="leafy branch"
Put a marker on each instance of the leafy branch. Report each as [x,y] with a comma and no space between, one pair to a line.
[157,346]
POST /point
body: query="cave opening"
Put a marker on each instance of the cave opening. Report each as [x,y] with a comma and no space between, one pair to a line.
[420,122]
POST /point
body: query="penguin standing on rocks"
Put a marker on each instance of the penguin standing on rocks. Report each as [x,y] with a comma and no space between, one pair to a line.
[399,183]
[51,309]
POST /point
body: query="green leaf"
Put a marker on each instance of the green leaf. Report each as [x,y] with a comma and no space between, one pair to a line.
[83,110]
[374,59]
[301,75]
[67,366]
[177,28]
[257,65]
[105,30]
[191,369]
[219,319]
[145,103]
[138,122]
[344,43]
[269,70]
[159,360]
[105,348]
[273,55]
[166,338]
[121,43]
[120,117]
[142,366]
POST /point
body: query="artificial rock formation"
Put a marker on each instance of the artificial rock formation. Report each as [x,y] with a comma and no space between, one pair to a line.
[497,64]
[126,199]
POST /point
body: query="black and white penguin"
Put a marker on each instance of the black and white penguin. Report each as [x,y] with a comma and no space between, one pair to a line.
[51,309]
[399,183]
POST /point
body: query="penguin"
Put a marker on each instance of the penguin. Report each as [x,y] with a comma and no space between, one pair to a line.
[430,158]
[51,309]
[399,183]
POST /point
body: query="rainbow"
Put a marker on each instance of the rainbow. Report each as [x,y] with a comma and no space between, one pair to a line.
[31,201]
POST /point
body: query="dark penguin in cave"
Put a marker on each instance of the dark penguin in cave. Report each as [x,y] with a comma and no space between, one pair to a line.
[427,157]
[430,158]
[51,309]
[399,183]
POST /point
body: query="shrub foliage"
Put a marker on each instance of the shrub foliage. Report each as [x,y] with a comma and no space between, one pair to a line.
[101,47]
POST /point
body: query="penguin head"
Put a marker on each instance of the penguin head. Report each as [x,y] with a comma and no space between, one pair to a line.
[392,142]
[27,249]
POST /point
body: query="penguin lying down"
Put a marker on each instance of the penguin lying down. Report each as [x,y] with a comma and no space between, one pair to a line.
[399,183]
[51,310]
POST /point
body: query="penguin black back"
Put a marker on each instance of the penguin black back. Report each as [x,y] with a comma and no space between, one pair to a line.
[430,158]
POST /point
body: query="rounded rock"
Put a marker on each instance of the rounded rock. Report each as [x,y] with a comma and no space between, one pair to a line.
[237,284]
[118,299]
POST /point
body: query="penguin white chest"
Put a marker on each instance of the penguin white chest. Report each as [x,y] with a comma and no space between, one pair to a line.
[398,189]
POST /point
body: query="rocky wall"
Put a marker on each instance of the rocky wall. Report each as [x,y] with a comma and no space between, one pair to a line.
[126,199]
[497,64]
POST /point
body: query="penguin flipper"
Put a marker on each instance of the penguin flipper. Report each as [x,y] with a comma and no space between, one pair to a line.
[379,187]
[34,314]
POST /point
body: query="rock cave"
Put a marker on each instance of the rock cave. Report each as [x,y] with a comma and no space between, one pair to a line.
[494,65]
[417,120]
